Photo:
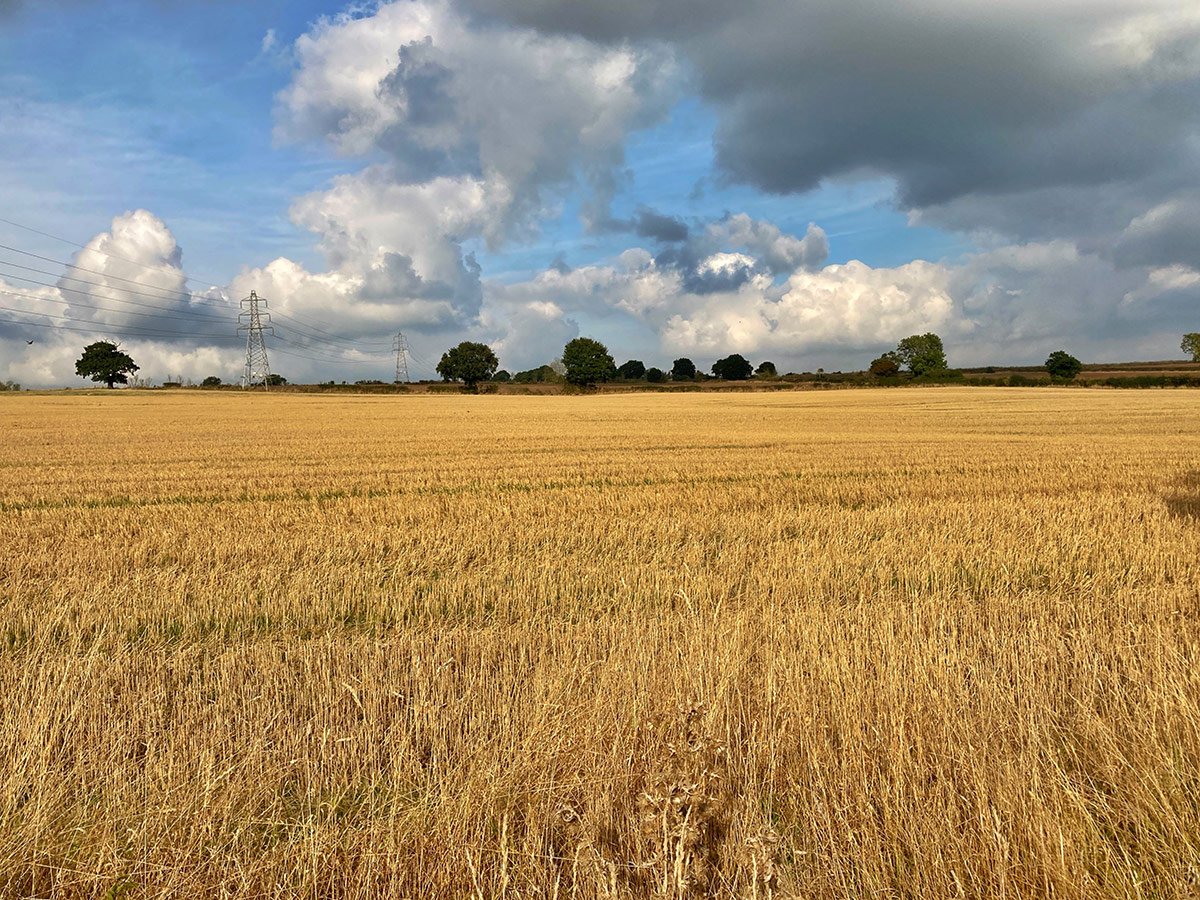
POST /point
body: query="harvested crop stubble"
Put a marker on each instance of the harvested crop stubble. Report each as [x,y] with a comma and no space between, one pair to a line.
[930,643]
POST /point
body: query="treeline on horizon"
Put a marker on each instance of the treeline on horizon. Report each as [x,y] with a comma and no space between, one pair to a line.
[586,362]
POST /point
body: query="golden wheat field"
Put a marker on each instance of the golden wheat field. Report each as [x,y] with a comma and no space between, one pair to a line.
[890,643]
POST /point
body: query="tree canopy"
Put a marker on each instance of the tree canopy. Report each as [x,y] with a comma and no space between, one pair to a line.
[655,375]
[922,354]
[734,367]
[683,369]
[470,362]
[632,370]
[766,369]
[1191,344]
[587,362]
[1061,364]
[104,362]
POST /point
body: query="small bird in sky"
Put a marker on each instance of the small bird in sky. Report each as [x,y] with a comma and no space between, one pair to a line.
[29,342]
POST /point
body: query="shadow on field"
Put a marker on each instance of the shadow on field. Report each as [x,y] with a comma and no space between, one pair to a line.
[1186,502]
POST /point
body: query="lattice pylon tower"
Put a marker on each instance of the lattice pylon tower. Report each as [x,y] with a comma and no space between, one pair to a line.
[256,323]
[400,345]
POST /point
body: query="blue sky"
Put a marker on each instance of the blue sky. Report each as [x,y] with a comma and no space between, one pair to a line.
[1002,202]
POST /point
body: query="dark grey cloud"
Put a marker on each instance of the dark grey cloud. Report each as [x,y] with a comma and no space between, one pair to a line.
[984,114]
[659,227]
[610,20]
[1168,234]
[725,254]
[430,141]
[395,278]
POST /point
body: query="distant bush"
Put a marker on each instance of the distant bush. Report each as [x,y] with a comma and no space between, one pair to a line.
[538,376]
[9,386]
[886,366]
[655,375]
[1153,381]
[1016,380]
[211,381]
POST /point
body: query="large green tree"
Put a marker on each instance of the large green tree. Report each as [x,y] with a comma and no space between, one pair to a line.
[469,362]
[734,367]
[1191,344]
[1062,365]
[104,362]
[588,362]
[922,354]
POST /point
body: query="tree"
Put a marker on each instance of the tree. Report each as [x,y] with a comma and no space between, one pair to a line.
[1063,365]
[734,367]
[587,362]
[632,370]
[885,366]
[276,380]
[923,354]
[469,362]
[655,375]
[766,370]
[1191,344]
[502,376]
[683,370]
[103,361]
[211,381]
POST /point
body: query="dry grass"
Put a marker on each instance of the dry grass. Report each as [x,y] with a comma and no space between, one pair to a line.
[938,643]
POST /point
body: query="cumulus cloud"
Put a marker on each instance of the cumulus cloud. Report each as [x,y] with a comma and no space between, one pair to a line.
[521,114]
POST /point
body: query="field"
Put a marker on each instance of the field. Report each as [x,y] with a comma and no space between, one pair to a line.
[935,642]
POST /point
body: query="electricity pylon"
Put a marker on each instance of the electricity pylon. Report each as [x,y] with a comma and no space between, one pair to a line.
[400,345]
[256,323]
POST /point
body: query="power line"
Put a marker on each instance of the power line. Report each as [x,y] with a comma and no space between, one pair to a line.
[64,240]
[59,262]
[191,312]
[74,303]
[104,327]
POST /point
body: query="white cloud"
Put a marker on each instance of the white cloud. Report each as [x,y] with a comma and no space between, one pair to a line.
[850,305]
[520,113]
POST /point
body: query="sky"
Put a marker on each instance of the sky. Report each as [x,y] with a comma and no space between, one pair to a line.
[801,181]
